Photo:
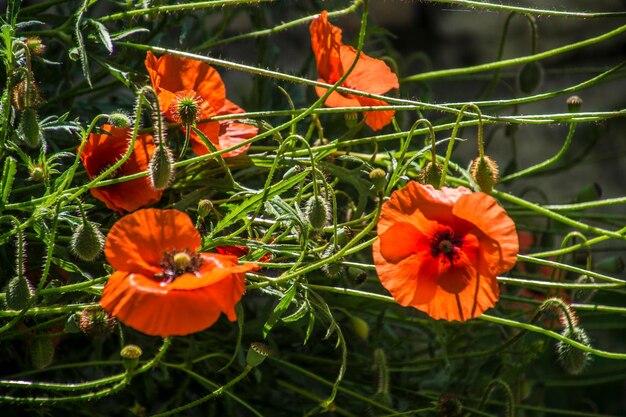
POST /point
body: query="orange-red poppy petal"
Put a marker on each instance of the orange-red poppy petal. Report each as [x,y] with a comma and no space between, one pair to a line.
[137,242]
[138,302]
[326,42]
[369,75]
[483,211]
[215,267]
[401,241]
[376,119]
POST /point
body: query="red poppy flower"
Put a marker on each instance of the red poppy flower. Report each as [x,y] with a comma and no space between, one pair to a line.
[370,75]
[102,150]
[441,250]
[175,78]
[162,285]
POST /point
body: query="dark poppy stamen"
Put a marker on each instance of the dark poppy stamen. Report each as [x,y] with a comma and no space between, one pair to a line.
[176,263]
[446,243]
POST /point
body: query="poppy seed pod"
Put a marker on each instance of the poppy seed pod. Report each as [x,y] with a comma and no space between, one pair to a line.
[257,354]
[351,119]
[573,359]
[431,174]
[42,352]
[130,356]
[379,179]
[485,173]
[204,208]
[29,128]
[574,103]
[161,170]
[19,293]
[317,212]
[87,241]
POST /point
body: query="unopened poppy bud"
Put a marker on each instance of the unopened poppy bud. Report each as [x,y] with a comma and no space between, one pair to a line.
[26,94]
[449,406]
[431,174]
[357,275]
[35,45]
[484,172]
[590,192]
[317,212]
[42,352]
[96,322]
[119,119]
[351,119]
[257,354]
[29,128]
[573,359]
[530,77]
[379,179]
[130,356]
[331,269]
[19,293]
[87,241]
[37,173]
[360,327]
[574,103]
[161,167]
[344,234]
[204,208]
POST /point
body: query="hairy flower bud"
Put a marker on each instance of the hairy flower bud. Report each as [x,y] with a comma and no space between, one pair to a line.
[29,129]
[573,359]
[35,45]
[87,241]
[484,172]
[431,174]
[26,94]
[42,352]
[96,322]
[119,119]
[317,212]
[19,293]
[161,167]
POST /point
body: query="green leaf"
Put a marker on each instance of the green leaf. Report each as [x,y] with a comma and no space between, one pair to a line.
[103,34]
[279,310]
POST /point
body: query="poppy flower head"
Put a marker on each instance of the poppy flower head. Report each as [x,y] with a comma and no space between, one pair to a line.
[190,90]
[100,153]
[441,250]
[369,75]
[162,285]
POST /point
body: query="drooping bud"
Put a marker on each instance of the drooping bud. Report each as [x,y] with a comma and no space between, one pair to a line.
[26,94]
[130,356]
[42,352]
[19,293]
[484,172]
[204,208]
[573,359]
[161,167]
[431,174]
[360,327]
[96,322]
[351,119]
[120,119]
[530,77]
[574,103]
[87,241]
[317,212]
[331,269]
[357,275]
[379,179]
[29,128]
[35,45]
[257,354]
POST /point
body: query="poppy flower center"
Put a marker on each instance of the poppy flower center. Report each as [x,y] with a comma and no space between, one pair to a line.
[186,107]
[176,263]
[446,243]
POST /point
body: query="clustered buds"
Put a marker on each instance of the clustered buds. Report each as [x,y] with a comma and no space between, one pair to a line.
[485,173]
